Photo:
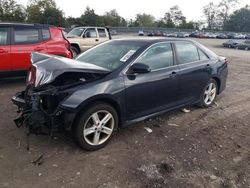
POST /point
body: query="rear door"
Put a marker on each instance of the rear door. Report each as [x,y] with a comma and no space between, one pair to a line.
[195,71]
[5,63]
[103,34]
[25,39]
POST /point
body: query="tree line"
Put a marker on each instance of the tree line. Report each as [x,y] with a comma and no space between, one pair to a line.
[221,16]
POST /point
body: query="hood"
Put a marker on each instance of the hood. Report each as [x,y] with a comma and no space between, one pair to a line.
[49,67]
[72,36]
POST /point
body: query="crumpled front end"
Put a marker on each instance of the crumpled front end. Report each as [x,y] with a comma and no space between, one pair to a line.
[40,111]
[50,80]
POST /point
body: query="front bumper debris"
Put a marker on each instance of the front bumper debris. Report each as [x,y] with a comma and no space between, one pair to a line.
[40,112]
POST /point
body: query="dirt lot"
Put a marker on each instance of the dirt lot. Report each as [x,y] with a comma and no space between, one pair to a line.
[203,148]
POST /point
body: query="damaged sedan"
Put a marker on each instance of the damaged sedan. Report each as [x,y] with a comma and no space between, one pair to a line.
[115,84]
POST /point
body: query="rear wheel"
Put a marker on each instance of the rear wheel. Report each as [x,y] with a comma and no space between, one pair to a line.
[75,51]
[209,94]
[96,126]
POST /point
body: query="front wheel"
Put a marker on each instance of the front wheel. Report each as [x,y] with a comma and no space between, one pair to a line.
[209,94]
[75,51]
[96,126]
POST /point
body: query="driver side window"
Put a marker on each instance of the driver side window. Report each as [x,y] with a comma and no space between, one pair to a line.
[158,56]
[90,33]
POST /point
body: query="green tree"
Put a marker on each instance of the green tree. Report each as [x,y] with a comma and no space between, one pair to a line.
[144,20]
[11,11]
[225,8]
[168,20]
[90,18]
[113,19]
[175,14]
[45,12]
[239,20]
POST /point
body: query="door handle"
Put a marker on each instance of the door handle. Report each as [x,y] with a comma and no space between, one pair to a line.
[208,66]
[3,51]
[96,40]
[173,74]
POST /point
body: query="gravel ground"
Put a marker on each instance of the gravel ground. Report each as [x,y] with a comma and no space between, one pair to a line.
[202,148]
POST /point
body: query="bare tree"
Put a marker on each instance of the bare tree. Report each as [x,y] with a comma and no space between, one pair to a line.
[225,9]
[210,11]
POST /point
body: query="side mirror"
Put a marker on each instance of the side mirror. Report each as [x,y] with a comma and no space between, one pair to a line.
[140,68]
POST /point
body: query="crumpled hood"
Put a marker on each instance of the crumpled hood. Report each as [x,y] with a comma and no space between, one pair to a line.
[49,67]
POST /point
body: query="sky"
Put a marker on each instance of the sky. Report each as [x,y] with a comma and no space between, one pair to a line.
[191,9]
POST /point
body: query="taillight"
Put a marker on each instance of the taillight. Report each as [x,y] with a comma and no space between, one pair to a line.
[31,76]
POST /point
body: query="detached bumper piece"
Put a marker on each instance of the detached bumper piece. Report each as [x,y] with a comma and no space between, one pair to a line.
[40,113]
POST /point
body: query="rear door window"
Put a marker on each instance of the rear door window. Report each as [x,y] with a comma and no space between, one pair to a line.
[102,33]
[24,36]
[186,52]
[45,34]
[3,36]
[202,55]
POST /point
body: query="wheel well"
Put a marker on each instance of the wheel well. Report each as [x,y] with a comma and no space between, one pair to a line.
[108,101]
[77,46]
[218,83]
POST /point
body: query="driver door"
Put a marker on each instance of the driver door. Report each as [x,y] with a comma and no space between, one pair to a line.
[155,91]
[89,39]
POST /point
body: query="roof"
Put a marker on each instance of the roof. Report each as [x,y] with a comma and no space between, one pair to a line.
[151,40]
[23,24]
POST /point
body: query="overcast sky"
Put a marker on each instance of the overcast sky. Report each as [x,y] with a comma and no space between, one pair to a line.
[192,9]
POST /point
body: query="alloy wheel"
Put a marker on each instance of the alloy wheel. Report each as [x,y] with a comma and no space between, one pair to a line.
[98,128]
[210,93]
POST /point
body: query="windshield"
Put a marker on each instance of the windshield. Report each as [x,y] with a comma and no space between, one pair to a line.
[77,31]
[110,55]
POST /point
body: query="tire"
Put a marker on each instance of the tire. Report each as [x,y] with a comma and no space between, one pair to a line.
[75,51]
[89,133]
[209,94]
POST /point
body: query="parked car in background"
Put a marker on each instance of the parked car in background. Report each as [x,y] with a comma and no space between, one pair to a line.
[18,40]
[221,36]
[141,33]
[247,36]
[157,33]
[151,33]
[117,83]
[231,43]
[239,36]
[83,38]
[113,32]
[243,46]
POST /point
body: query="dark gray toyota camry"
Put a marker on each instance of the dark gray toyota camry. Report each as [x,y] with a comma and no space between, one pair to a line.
[115,84]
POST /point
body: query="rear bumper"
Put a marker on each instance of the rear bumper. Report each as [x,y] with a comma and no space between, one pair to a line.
[223,79]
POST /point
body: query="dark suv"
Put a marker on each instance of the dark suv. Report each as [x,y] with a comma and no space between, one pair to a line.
[18,40]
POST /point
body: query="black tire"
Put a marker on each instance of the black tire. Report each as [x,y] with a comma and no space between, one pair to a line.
[202,102]
[84,117]
[75,51]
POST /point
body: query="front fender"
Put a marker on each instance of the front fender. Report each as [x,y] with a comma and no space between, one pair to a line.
[111,90]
